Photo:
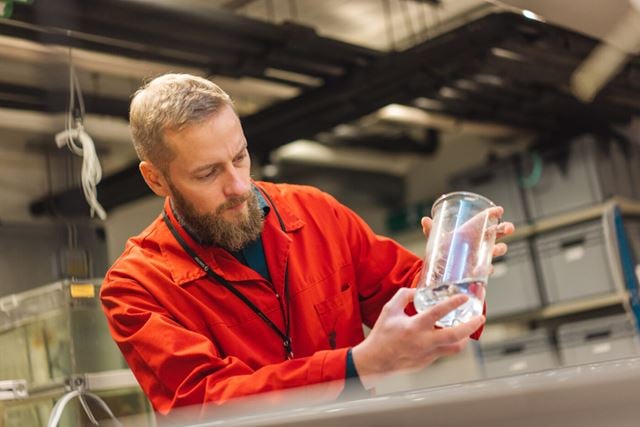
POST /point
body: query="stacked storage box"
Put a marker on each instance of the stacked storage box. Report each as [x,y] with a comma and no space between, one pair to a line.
[632,228]
[634,166]
[529,353]
[513,287]
[597,340]
[585,172]
[574,262]
[57,330]
[499,183]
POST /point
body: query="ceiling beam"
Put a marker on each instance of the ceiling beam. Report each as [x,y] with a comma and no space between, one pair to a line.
[528,99]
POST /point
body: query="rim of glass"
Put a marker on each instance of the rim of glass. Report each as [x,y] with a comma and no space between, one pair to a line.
[446,196]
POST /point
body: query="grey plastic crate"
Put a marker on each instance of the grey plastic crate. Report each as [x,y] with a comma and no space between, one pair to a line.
[597,340]
[499,183]
[54,332]
[513,287]
[632,230]
[584,173]
[634,168]
[574,262]
[530,353]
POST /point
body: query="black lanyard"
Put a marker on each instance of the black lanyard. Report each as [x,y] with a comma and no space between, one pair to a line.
[212,275]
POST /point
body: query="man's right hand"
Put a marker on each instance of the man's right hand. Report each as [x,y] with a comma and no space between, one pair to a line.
[399,342]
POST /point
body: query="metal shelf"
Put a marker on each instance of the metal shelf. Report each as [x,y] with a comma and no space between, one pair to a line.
[95,381]
[564,308]
[109,380]
[627,207]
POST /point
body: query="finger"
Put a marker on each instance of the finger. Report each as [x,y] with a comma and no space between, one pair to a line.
[449,336]
[505,229]
[400,300]
[426,223]
[496,212]
[500,249]
[438,311]
[479,221]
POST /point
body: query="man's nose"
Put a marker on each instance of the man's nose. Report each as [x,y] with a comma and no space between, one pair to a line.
[236,183]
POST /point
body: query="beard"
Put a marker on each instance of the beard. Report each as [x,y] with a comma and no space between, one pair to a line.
[213,229]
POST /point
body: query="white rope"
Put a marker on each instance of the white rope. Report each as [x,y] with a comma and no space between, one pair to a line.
[80,143]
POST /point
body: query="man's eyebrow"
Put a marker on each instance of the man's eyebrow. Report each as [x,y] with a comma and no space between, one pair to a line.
[217,164]
[244,147]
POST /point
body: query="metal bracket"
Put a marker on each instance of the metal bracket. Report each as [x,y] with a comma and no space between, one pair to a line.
[13,389]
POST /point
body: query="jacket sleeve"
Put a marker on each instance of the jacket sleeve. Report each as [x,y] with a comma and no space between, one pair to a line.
[176,366]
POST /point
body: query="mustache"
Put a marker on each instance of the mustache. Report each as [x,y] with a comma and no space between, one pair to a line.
[234,201]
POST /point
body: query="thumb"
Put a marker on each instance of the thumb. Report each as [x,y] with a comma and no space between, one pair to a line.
[426,223]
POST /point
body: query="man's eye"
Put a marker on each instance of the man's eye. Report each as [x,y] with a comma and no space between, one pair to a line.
[207,176]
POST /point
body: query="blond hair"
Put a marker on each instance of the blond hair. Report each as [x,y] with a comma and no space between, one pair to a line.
[170,102]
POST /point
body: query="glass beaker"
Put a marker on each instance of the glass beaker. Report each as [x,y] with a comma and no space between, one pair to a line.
[458,254]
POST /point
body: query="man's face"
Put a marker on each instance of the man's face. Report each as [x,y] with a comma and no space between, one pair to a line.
[209,181]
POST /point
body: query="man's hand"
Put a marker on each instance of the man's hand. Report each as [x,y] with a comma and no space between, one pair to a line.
[399,342]
[504,229]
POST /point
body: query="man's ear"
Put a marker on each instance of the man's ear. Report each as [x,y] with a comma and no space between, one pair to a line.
[154,178]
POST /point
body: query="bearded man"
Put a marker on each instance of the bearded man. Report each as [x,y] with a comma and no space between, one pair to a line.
[241,287]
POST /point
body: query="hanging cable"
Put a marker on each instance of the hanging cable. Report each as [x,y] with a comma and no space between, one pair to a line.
[293,10]
[406,14]
[425,21]
[388,23]
[271,12]
[80,143]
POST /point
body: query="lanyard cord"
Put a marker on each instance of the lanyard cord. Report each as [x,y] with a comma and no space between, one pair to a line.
[212,275]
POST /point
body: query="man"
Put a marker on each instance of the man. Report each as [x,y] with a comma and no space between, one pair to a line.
[242,287]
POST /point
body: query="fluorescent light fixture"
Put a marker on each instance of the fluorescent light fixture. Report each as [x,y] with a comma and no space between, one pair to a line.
[530,15]
[466,84]
[609,57]
[269,170]
[428,104]
[489,79]
[345,130]
[447,92]
[507,54]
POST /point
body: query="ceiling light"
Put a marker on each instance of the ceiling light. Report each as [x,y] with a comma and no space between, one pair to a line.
[345,130]
[428,104]
[530,15]
[506,54]
[489,79]
[466,84]
[447,92]
[270,171]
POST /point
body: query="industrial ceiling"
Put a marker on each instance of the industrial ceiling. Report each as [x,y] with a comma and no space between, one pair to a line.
[470,63]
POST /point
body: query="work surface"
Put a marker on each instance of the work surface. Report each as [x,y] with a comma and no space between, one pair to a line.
[602,394]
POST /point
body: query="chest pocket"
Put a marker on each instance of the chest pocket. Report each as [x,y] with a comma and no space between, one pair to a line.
[340,319]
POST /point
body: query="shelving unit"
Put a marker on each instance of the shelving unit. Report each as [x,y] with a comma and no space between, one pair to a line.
[621,297]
